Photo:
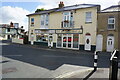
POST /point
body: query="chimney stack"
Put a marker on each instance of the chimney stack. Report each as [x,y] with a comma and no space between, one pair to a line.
[11,24]
[61,5]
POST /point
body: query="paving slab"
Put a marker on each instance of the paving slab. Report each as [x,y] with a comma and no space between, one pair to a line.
[16,69]
[21,69]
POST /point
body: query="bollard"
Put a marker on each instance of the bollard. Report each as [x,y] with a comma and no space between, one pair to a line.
[95,60]
[113,69]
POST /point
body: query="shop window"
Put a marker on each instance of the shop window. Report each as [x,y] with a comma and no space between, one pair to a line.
[75,40]
[42,38]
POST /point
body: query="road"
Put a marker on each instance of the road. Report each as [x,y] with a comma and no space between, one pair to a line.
[53,58]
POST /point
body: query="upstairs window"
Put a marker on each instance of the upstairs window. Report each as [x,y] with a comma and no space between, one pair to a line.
[111,23]
[44,20]
[88,17]
[32,21]
[67,19]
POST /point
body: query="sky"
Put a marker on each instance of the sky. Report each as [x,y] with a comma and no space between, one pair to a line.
[16,10]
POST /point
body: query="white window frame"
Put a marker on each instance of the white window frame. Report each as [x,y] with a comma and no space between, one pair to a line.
[109,23]
[68,18]
[44,20]
[88,17]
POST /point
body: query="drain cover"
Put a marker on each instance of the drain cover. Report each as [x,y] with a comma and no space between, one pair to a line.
[8,70]
[5,61]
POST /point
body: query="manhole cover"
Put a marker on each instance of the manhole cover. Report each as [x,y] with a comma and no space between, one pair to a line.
[8,70]
[5,61]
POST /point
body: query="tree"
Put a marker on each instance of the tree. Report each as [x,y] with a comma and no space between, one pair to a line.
[38,10]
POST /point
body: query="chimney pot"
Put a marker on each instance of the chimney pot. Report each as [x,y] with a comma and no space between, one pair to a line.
[61,5]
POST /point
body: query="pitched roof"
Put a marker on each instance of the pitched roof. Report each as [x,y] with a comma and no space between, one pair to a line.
[73,7]
[79,6]
[112,8]
[43,12]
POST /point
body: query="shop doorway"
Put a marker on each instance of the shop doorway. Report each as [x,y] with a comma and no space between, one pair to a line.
[50,41]
[8,36]
[70,41]
[67,40]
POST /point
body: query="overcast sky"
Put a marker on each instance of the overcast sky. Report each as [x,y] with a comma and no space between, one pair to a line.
[16,10]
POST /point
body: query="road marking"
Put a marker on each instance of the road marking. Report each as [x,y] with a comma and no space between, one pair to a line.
[12,55]
[60,56]
[53,56]
[4,43]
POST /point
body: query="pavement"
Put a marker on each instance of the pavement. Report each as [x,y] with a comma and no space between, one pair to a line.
[17,69]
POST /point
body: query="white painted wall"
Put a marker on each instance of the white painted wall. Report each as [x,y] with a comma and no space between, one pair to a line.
[14,40]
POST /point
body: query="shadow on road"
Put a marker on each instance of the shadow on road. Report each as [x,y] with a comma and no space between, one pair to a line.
[52,59]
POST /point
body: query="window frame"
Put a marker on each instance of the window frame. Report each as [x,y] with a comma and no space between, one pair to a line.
[109,23]
[32,20]
[88,17]
[44,20]
[68,17]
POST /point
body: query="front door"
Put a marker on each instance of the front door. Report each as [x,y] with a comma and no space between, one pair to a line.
[99,43]
[110,43]
[88,42]
[67,40]
[64,40]
[8,36]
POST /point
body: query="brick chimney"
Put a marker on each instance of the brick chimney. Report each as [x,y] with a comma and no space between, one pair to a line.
[61,5]
[11,24]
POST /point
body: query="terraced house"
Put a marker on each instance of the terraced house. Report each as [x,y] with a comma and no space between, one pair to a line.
[9,31]
[108,35]
[70,27]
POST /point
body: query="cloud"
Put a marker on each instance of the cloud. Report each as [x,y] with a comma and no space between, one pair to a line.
[14,14]
[54,3]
